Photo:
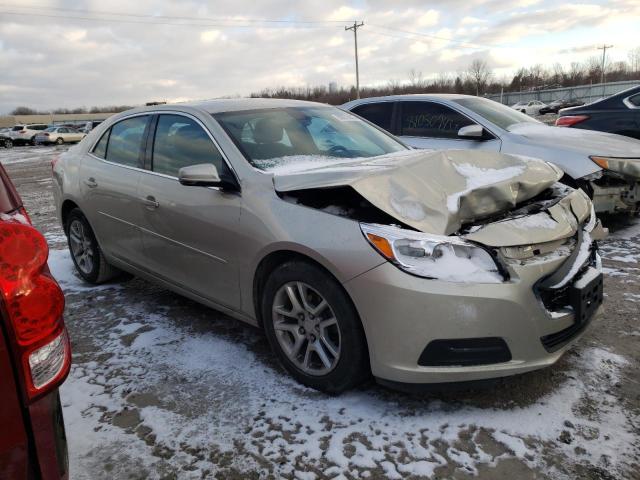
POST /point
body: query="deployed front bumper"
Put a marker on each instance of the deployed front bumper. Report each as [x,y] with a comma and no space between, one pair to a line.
[403,314]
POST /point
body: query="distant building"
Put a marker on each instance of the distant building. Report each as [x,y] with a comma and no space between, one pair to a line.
[333,87]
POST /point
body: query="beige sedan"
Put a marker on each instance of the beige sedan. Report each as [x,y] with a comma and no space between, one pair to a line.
[357,255]
[59,135]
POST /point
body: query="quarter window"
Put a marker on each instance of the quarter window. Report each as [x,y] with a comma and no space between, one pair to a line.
[428,119]
[125,141]
[180,142]
[377,113]
[100,150]
[635,100]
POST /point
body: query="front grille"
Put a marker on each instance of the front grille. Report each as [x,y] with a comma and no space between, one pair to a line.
[557,299]
[556,340]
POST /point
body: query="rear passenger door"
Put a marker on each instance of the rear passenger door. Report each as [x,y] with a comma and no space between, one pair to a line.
[109,177]
[189,233]
[435,126]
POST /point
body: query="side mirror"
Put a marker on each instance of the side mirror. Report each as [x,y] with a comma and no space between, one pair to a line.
[472,132]
[203,175]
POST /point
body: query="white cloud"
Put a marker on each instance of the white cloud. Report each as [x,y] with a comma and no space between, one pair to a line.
[74,62]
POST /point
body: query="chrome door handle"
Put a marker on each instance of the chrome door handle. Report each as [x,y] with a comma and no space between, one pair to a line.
[91,182]
[150,202]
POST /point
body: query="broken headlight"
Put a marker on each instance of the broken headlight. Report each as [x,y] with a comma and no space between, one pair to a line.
[433,256]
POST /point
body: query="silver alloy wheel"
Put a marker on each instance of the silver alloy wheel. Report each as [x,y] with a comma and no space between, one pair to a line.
[81,248]
[306,328]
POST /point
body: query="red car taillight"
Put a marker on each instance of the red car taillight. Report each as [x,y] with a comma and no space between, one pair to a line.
[34,303]
[46,134]
[570,120]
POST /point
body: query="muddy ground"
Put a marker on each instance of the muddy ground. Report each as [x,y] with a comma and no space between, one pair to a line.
[162,387]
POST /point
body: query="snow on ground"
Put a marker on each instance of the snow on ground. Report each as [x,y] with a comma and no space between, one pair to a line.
[151,395]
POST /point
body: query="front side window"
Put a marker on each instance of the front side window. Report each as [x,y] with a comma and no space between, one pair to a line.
[496,113]
[180,142]
[125,141]
[302,132]
[377,113]
[428,119]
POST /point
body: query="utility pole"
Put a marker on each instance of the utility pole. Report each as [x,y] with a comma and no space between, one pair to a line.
[355,27]
[604,57]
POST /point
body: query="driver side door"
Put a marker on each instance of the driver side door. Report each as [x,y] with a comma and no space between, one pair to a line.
[435,126]
[189,233]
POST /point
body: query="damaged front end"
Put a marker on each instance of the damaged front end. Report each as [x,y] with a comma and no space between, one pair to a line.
[617,187]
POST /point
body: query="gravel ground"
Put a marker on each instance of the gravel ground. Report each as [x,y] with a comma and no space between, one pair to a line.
[162,387]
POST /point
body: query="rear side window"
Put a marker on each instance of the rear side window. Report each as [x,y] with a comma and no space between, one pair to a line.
[125,141]
[17,128]
[180,142]
[428,119]
[377,113]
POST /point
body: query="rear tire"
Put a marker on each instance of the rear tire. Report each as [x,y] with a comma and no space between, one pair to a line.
[33,140]
[319,352]
[8,143]
[85,252]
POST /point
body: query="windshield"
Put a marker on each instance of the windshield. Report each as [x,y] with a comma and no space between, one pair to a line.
[498,114]
[271,134]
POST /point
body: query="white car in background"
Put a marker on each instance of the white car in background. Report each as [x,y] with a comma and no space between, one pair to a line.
[59,136]
[26,133]
[530,108]
[604,165]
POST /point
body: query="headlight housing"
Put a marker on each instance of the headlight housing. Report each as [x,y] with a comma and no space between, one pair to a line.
[433,256]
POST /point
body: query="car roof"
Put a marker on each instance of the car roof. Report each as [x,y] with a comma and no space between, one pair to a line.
[227,105]
[412,96]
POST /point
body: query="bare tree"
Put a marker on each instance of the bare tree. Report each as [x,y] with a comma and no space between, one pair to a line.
[479,74]
[416,79]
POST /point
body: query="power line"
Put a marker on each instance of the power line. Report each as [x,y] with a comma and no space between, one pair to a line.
[179,24]
[436,37]
[167,17]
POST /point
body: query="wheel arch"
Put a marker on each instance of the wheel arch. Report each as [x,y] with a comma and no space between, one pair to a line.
[65,209]
[273,260]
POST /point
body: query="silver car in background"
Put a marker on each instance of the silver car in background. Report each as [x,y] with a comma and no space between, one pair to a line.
[59,136]
[604,165]
[356,255]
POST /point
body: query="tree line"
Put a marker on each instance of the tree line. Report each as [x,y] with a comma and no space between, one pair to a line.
[477,79]
[67,111]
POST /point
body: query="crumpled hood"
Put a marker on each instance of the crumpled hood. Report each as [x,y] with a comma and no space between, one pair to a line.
[433,192]
[559,221]
[588,142]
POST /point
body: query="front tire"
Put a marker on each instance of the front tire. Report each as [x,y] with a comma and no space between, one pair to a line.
[313,328]
[8,143]
[85,252]
[59,141]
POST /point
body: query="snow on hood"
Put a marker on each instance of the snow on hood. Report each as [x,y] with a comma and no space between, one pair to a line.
[434,192]
[578,140]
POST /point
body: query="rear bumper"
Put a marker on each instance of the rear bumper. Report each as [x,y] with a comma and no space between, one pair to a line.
[402,314]
[48,433]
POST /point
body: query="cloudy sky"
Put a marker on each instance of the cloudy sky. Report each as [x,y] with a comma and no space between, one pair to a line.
[71,53]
